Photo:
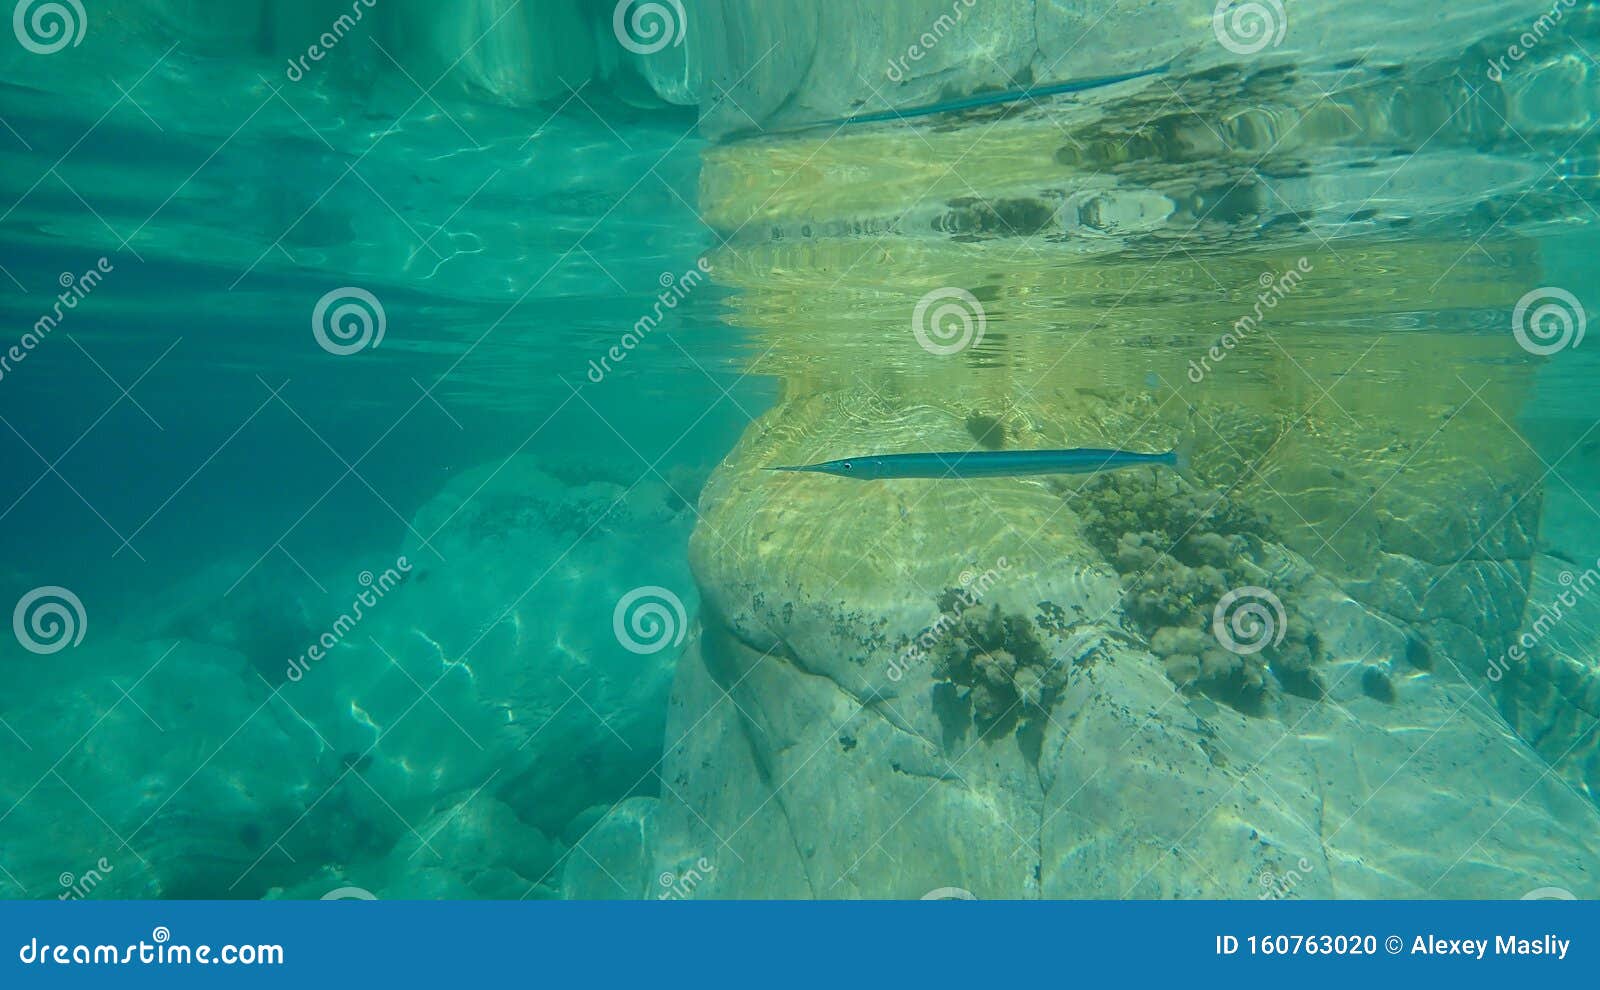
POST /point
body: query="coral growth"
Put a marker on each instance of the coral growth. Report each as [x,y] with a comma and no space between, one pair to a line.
[998,674]
[1179,550]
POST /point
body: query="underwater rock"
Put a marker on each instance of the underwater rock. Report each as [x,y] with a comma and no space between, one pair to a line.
[431,716]
[473,843]
[507,53]
[840,60]
[510,638]
[1228,681]
[268,617]
[611,859]
[905,685]
[170,762]
[474,848]
[1547,682]
[498,52]
[784,63]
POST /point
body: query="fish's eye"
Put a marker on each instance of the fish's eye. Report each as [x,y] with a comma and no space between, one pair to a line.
[845,465]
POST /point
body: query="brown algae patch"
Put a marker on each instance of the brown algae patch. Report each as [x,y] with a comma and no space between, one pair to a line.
[1179,551]
[997,676]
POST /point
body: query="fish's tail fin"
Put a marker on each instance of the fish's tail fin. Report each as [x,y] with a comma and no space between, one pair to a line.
[1182,452]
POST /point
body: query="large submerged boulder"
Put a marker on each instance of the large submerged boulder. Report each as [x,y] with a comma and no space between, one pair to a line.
[157,769]
[1251,678]
[513,654]
[1020,689]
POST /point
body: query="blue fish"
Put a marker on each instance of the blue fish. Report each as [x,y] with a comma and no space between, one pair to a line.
[989,463]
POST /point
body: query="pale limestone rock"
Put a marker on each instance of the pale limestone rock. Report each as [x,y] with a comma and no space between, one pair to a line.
[1548,681]
[794,745]
[166,783]
[611,860]
[1139,791]
[473,847]
[833,64]
[500,648]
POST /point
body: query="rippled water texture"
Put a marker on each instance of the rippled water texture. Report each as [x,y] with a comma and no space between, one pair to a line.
[392,387]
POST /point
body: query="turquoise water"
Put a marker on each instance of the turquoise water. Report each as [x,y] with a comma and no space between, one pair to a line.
[500,602]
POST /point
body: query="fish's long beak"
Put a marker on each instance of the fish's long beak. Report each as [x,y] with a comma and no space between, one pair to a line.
[800,467]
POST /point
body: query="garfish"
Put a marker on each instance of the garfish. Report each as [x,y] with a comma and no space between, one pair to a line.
[989,463]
